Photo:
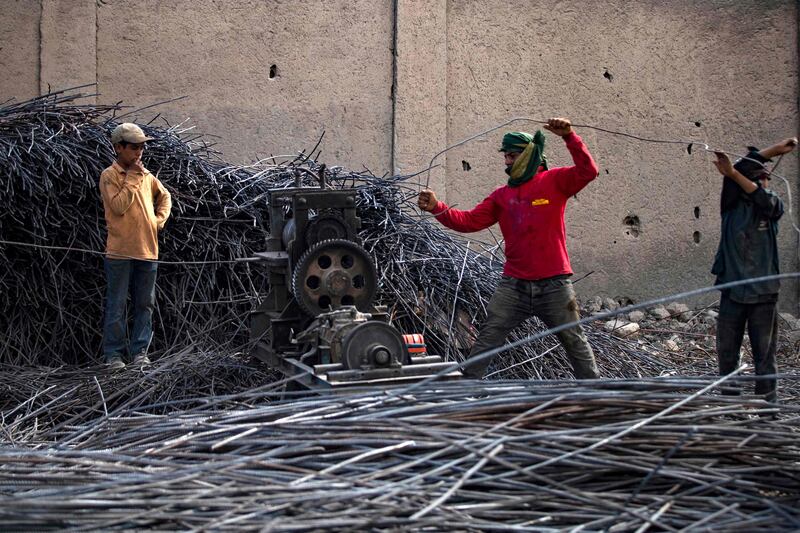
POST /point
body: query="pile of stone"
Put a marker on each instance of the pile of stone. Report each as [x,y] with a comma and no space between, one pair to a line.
[677,327]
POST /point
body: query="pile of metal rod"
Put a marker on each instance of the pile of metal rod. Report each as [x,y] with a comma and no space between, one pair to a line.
[52,150]
[205,439]
[616,455]
[40,400]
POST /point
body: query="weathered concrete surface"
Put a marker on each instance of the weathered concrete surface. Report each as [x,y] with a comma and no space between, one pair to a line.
[68,55]
[19,49]
[724,72]
[332,71]
[420,124]
[268,77]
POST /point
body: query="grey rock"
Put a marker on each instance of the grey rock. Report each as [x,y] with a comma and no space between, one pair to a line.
[629,330]
[679,311]
[614,324]
[610,304]
[671,345]
[660,312]
[594,305]
[788,321]
[636,316]
[680,326]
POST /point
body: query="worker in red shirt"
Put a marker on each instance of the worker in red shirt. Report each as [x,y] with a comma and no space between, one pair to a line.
[530,211]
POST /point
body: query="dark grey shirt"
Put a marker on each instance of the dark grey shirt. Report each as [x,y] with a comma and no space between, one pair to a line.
[748,246]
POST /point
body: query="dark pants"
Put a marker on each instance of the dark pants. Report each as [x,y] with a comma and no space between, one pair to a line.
[139,279]
[762,327]
[551,300]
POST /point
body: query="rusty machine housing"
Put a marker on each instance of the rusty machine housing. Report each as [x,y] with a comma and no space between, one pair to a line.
[319,323]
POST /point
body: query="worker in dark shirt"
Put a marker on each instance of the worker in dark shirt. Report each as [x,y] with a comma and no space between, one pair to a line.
[748,248]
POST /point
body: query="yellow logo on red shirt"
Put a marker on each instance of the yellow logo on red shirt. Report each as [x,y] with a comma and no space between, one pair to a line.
[540,201]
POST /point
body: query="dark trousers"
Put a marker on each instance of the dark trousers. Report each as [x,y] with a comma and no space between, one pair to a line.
[762,327]
[551,300]
[138,278]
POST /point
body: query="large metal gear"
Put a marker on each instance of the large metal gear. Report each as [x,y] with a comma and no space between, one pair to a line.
[334,273]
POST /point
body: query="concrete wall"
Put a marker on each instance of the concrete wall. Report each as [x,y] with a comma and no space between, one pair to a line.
[722,72]
[267,77]
[392,82]
[19,49]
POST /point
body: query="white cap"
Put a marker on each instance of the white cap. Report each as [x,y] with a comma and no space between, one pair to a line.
[129,132]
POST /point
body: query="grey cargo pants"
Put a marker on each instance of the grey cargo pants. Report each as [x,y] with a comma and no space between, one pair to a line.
[552,300]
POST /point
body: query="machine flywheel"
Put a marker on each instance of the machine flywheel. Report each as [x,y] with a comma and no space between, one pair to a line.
[328,225]
[334,273]
[373,344]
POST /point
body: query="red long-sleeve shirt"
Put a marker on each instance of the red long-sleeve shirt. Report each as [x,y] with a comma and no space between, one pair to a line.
[531,216]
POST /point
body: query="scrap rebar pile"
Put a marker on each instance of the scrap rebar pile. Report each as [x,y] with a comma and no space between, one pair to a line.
[52,150]
[203,440]
[38,400]
[607,455]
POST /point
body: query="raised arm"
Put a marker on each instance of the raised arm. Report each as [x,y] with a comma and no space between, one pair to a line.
[725,167]
[570,180]
[481,217]
[783,147]
[767,203]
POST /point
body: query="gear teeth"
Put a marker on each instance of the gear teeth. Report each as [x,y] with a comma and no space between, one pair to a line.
[370,276]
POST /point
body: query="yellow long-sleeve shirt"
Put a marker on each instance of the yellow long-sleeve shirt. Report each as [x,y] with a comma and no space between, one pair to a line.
[136,206]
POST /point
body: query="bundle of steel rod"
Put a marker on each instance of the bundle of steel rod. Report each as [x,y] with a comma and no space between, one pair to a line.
[615,455]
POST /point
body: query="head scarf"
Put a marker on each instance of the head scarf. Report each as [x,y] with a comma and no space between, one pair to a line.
[752,165]
[532,155]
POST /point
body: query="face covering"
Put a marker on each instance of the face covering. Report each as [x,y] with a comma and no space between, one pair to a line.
[531,158]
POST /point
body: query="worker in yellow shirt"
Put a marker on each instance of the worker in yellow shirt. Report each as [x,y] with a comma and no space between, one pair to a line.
[136,207]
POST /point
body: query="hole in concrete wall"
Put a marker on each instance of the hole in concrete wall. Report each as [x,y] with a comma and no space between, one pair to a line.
[698,123]
[615,242]
[273,72]
[697,212]
[689,149]
[696,237]
[633,226]
[606,171]
[465,165]
[607,75]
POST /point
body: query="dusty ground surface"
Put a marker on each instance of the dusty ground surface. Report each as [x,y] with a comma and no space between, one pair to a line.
[689,334]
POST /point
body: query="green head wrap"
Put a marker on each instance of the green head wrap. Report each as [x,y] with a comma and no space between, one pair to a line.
[527,165]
